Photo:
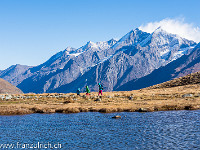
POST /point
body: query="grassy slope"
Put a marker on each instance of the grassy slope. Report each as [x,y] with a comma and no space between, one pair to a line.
[6,87]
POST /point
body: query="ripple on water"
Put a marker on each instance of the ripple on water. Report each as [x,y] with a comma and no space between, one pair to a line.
[153,130]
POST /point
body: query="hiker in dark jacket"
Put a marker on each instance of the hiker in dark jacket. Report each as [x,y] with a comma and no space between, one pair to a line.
[78,91]
[87,91]
[100,89]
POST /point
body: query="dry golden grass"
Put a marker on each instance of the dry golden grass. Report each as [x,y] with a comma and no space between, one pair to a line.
[129,101]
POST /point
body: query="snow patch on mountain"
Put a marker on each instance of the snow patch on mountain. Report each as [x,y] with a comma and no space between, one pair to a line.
[99,46]
[181,52]
[73,54]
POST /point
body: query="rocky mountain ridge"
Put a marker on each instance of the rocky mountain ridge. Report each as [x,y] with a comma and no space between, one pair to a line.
[180,67]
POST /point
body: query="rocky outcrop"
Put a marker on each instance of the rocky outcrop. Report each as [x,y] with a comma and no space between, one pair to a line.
[193,78]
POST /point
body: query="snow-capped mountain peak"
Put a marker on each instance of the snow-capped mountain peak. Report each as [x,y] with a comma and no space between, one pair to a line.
[102,45]
[162,37]
[112,42]
[168,46]
[69,49]
[131,38]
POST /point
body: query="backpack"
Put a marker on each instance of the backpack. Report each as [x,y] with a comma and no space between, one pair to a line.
[101,87]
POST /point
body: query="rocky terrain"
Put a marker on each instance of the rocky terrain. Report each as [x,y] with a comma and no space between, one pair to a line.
[145,100]
[7,88]
[115,64]
[179,94]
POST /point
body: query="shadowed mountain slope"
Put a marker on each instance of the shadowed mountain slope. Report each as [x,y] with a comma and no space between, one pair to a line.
[185,65]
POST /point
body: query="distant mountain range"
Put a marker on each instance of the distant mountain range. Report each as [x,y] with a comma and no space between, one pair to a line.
[137,60]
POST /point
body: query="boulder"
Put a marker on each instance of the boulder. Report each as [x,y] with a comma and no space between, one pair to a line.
[188,107]
[187,95]
[116,117]
[130,97]
[97,100]
[109,96]
[143,110]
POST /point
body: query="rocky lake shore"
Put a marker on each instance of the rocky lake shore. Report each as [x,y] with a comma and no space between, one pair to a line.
[145,100]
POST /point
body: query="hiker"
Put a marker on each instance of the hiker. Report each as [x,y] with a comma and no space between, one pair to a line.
[100,89]
[87,91]
[78,91]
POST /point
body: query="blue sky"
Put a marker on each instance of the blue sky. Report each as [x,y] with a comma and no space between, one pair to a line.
[31,31]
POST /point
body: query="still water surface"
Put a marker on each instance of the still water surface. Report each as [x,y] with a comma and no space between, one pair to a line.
[91,130]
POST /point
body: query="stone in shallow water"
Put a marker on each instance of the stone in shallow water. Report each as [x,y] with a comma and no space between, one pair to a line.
[143,110]
[116,117]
